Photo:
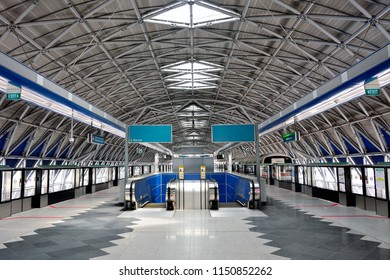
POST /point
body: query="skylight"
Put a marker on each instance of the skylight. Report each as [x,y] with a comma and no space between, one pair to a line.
[191,14]
[192,75]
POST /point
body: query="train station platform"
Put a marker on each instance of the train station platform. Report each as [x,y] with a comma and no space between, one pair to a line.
[291,226]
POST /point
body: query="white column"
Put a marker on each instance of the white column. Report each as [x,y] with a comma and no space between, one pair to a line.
[156,162]
[230,162]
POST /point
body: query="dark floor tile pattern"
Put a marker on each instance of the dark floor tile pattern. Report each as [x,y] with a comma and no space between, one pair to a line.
[80,238]
[301,236]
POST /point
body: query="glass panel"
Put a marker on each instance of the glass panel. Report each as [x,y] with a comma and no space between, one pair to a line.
[285,173]
[61,179]
[292,174]
[329,174]
[77,172]
[356,180]
[44,187]
[264,171]
[138,170]
[308,176]
[380,183]
[94,171]
[16,184]
[341,179]
[318,178]
[301,175]
[101,175]
[6,186]
[370,182]
[29,183]
[388,182]
[277,172]
[121,172]
[113,176]
[85,177]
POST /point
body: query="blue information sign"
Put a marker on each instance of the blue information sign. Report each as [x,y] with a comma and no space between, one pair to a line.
[232,133]
[96,139]
[150,133]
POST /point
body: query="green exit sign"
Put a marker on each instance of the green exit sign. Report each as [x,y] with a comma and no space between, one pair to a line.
[13,96]
[373,91]
[290,137]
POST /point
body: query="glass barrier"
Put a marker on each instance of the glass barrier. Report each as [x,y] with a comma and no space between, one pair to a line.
[264,171]
[6,186]
[283,172]
[101,175]
[301,173]
[45,181]
[380,183]
[113,173]
[388,182]
[61,180]
[85,177]
[77,177]
[308,175]
[137,170]
[356,180]
[94,171]
[324,177]
[341,179]
[29,182]
[16,184]
[370,182]
[121,172]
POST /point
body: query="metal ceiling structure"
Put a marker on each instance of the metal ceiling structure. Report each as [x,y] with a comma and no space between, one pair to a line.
[254,59]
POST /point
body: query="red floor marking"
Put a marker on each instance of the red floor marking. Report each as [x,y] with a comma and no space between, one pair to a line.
[321,205]
[355,216]
[33,217]
[52,206]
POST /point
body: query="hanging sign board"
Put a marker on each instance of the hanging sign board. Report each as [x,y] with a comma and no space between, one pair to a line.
[96,139]
[290,137]
[222,133]
[13,92]
[372,87]
[203,172]
[181,172]
[150,134]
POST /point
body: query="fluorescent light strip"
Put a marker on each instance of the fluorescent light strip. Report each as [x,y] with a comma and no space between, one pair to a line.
[334,101]
[39,100]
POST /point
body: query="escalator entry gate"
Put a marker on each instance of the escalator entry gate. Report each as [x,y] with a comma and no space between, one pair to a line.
[254,196]
[170,195]
[130,201]
[213,195]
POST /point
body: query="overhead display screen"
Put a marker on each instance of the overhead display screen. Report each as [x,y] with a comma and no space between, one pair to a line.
[232,133]
[150,133]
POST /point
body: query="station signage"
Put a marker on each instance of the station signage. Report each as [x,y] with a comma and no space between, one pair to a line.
[225,133]
[290,137]
[150,134]
[372,87]
[13,92]
[96,139]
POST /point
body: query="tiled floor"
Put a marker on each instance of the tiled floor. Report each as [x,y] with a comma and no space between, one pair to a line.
[291,226]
